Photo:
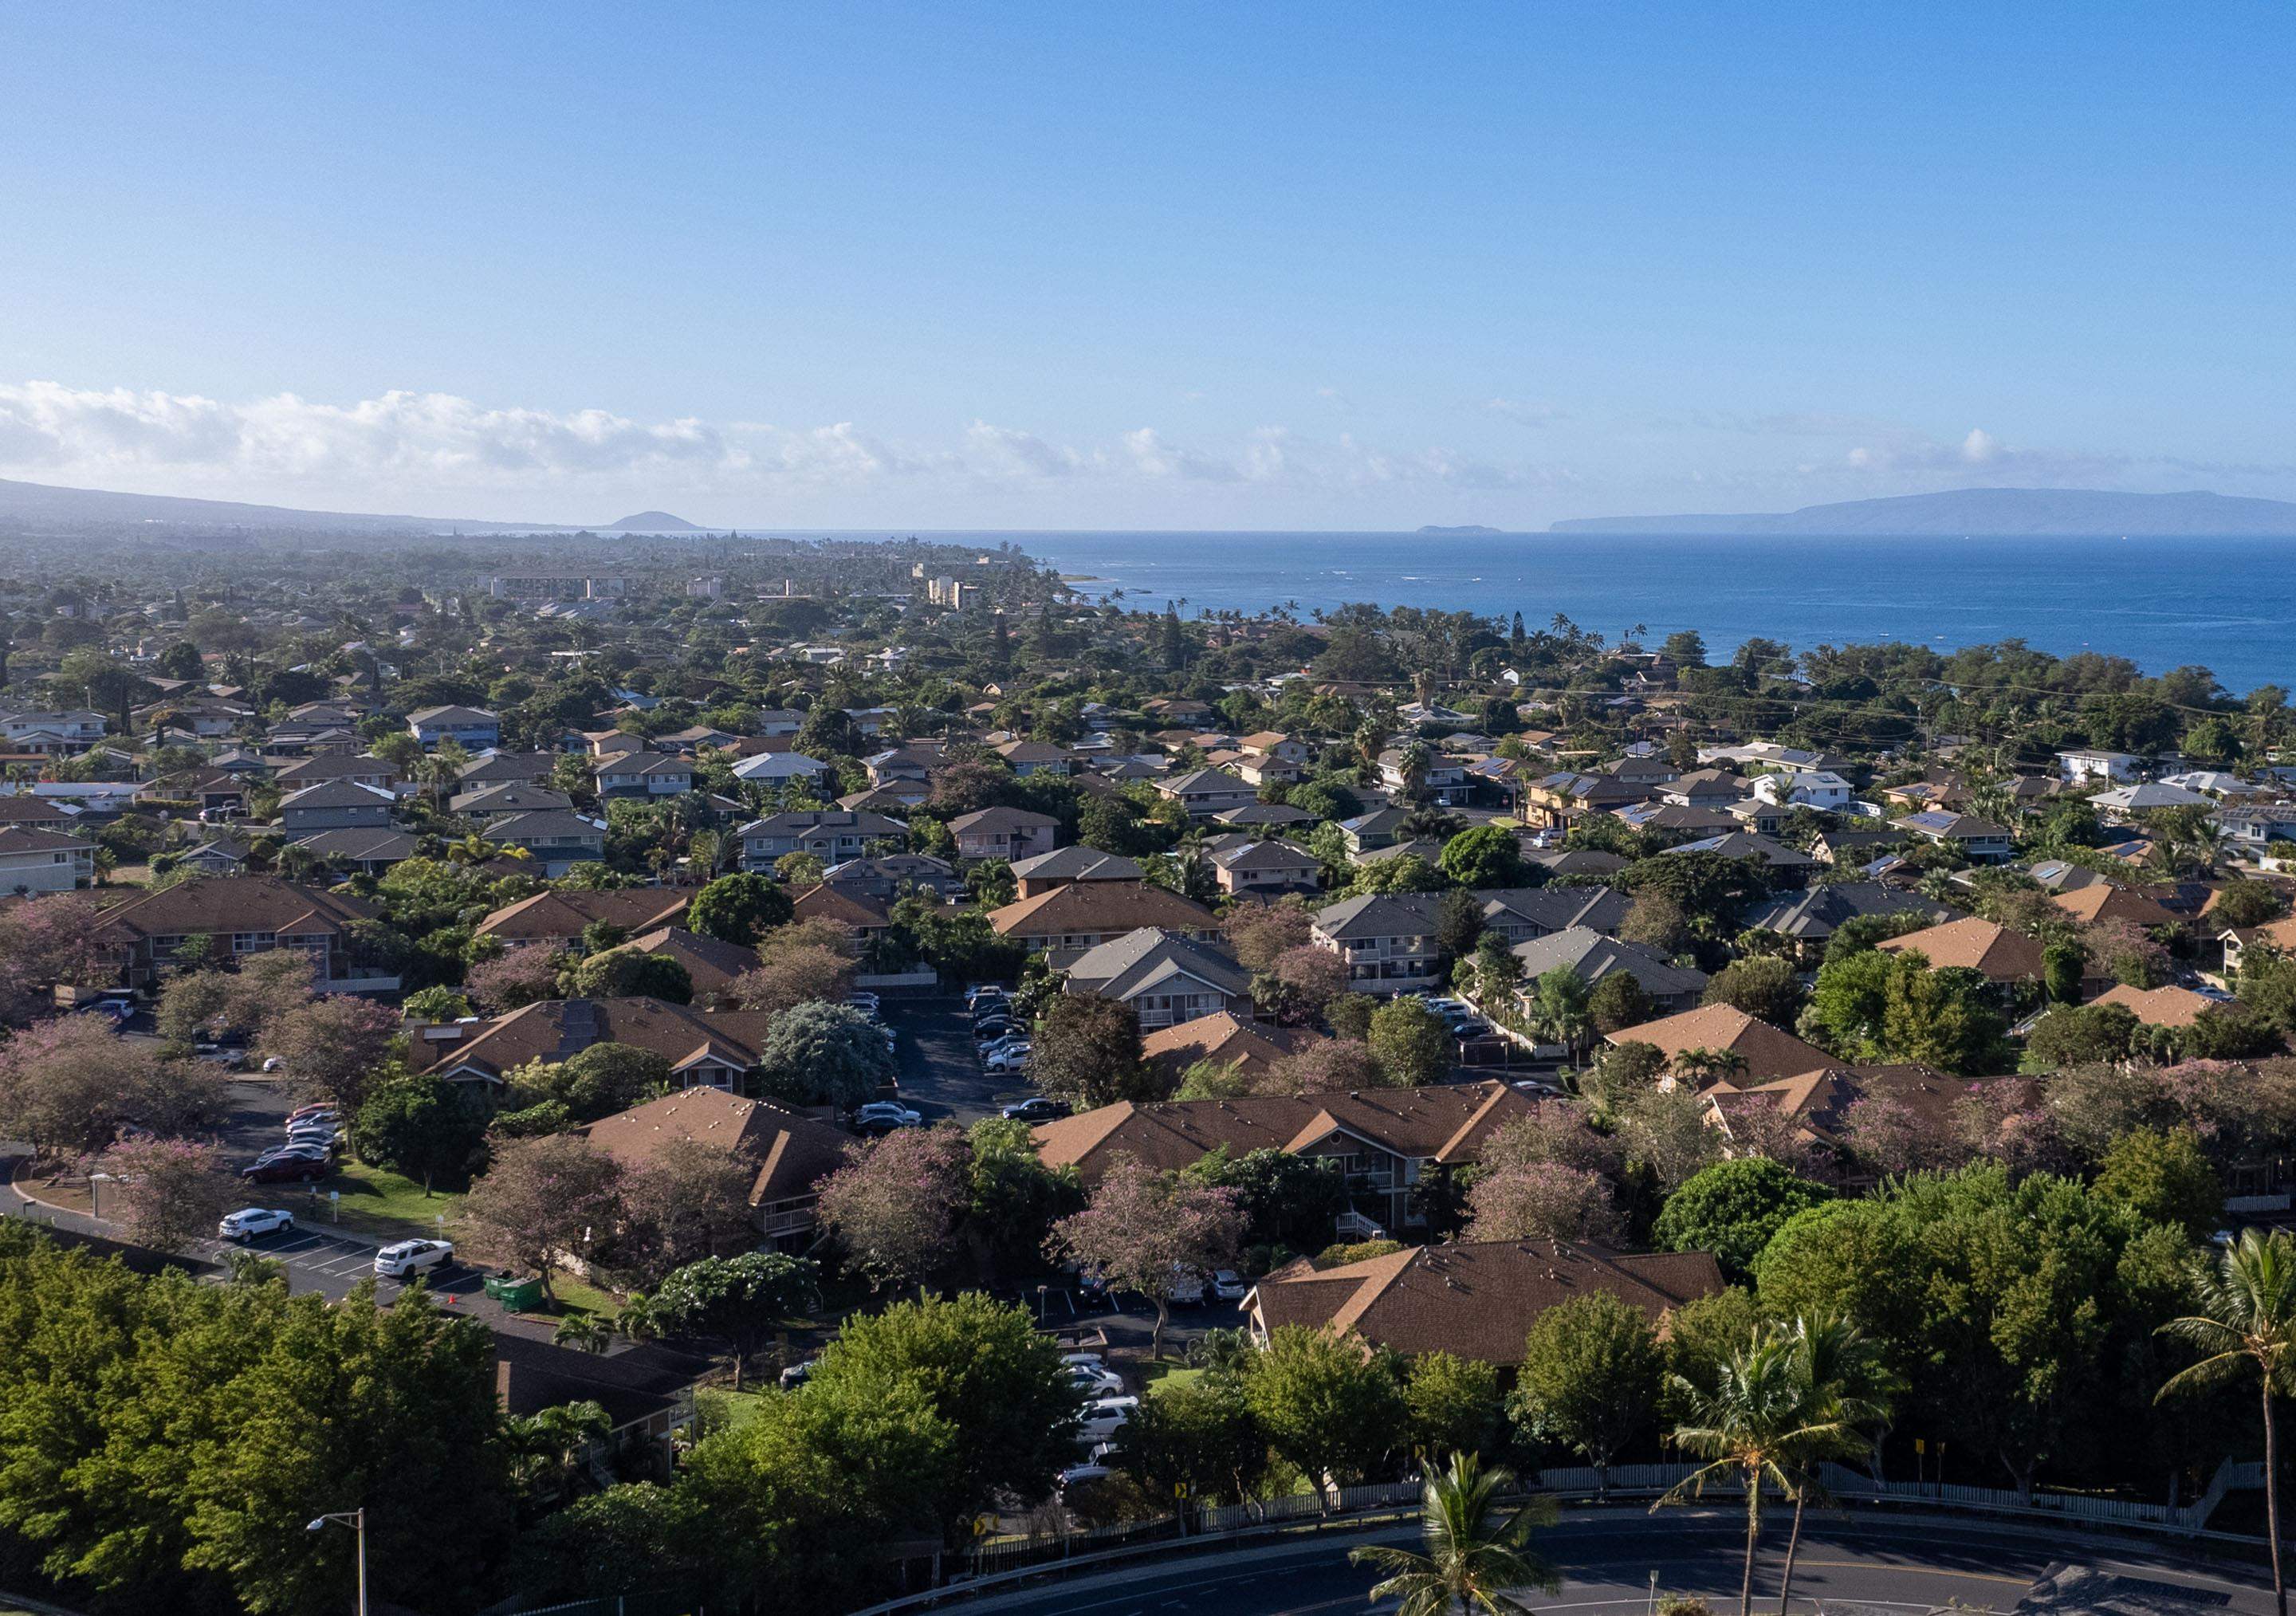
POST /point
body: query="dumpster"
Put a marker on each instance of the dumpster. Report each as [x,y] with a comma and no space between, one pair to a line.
[515,1292]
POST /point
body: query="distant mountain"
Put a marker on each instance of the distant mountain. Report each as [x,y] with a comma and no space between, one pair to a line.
[1989,512]
[40,503]
[1468,532]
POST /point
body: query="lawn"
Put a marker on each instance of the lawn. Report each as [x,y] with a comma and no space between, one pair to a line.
[1162,1377]
[382,1204]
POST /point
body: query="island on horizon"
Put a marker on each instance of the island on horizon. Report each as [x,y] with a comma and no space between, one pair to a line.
[1991,512]
[1469,531]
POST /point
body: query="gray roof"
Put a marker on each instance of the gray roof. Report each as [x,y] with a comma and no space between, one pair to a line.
[1078,863]
[1814,915]
[1593,956]
[1142,960]
[509,797]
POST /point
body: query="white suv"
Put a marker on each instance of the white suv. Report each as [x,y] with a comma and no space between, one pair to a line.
[248,1222]
[412,1257]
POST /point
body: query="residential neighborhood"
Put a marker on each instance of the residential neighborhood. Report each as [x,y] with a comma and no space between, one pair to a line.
[1286,1012]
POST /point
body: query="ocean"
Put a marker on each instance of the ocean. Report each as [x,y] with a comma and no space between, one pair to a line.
[2228,605]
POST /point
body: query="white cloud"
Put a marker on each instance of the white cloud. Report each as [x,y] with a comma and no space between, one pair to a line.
[404,448]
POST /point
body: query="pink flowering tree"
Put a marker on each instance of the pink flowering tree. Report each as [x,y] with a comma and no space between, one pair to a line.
[1324,1067]
[66,1085]
[516,976]
[336,1046]
[44,942]
[1542,1200]
[164,1193]
[894,1206]
[1144,1231]
[543,1198]
[1301,981]
[1555,1130]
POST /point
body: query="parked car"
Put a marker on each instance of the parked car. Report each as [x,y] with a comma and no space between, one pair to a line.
[1077,1474]
[1229,1285]
[250,1221]
[1097,1379]
[983,990]
[1188,1288]
[1107,1416]
[285,1169]
[1084,1356]
[890,1111]
[1007,1058]
[411,1257]
[1036,1108]
[316,1108]
[797,1374]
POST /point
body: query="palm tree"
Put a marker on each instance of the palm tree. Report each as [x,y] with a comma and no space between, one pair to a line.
[1842,1374]
[1755,1425]
[2250,1319]
[1471,1559]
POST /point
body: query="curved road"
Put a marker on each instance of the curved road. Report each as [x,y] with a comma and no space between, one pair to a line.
[1606,1559]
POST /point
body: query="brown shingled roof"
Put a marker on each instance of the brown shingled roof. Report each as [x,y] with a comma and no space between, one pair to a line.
[1768,1052]
[557,915]
[789,1152]
[1099,906]
[1220,1036]
[1447,1123]
[2157,1006]
[1477,1299]
[2001,955]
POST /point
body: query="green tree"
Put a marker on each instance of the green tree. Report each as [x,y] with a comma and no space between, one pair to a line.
[1484,857]
[1561,1008]
[1410,1042]
[1329,1404]
[1764,988]
[1086,1051]
[988,1373]
[1755,1425]
[1590,1377]
[820,1053]
[742,1300]
[738,908]
[1619,1001]
[1453,1403]
[1845,1392]
[1198,1435]
[625,974]
[2163,1175]
[423,1128]
[2247,1321]
[1732,1209]
[1473,1556]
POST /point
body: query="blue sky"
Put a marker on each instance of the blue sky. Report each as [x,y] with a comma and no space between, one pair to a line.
[1171,265]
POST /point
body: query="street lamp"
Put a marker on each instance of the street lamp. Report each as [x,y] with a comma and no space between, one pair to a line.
[357,1521]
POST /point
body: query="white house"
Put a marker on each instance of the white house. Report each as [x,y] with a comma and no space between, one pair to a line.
[2094,764]
[1820,789]
[36,861]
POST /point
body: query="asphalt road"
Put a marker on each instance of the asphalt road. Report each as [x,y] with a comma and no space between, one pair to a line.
[1607,1560]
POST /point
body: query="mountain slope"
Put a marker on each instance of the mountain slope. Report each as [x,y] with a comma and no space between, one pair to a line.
[2003,513]
[652,522]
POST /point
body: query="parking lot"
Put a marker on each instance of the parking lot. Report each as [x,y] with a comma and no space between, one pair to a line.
[332,1264]
[941,1073]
